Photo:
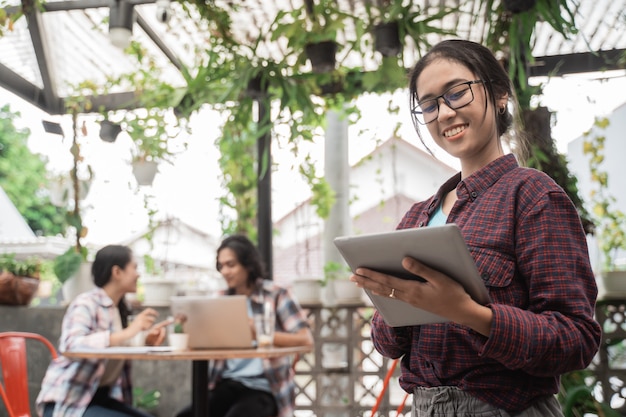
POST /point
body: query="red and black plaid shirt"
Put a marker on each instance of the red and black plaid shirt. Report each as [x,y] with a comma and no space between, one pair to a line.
[528,243]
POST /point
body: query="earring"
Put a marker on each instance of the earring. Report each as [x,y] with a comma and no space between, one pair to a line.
[502,110]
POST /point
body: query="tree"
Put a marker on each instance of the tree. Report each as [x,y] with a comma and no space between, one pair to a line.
[23,177]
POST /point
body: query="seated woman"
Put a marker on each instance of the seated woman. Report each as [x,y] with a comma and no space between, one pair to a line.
[256,387]
[97,319]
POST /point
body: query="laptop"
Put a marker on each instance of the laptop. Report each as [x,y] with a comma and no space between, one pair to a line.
[440,247]
[215,322]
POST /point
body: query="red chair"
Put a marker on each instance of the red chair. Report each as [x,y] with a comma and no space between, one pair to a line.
[15,371]
[392,368]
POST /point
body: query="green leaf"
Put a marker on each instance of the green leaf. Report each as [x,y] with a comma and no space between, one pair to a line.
[67,264]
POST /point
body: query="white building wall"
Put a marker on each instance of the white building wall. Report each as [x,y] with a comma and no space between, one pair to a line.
[614,164]
[396,167]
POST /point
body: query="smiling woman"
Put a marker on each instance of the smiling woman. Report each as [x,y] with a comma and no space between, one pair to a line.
[98,319]
[515,221]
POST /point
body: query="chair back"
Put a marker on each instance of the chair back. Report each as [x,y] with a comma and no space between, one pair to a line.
[15,370]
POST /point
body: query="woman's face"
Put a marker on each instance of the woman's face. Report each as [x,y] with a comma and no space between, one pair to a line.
[235,274]
[468,133]
[127,277]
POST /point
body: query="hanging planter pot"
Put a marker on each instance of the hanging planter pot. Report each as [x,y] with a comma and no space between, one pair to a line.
[322,55]
[109,131]
[518,6]
[62,191]
[145,171]
[257,87]
[387,39]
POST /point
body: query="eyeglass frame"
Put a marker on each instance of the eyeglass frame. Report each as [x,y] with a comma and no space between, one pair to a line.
[418,113]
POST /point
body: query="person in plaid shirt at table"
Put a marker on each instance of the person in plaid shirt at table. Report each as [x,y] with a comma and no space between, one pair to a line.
[504,358]
[256,387]
[98,319]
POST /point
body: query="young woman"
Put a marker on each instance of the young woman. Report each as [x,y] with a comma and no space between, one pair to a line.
[98,318]
[504,358]
[256,387]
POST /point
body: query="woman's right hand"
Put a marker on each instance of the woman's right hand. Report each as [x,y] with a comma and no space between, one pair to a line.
[143,321]
[140,322]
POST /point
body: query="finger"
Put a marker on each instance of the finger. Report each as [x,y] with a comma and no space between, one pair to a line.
[163,323]
[160,338]
[150,312]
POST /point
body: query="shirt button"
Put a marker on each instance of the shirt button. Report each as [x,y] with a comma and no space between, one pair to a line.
[474,194]
[485,276]
[421,224]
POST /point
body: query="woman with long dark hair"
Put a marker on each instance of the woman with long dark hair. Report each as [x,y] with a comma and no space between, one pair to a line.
[256,387]
[98,319]
[504,358]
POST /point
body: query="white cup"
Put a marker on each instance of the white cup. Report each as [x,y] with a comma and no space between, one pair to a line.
[140,338]
[264,327]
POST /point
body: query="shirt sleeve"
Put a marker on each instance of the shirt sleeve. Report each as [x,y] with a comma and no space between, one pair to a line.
[79,328]
[289,313]
[557,332]
[392,342]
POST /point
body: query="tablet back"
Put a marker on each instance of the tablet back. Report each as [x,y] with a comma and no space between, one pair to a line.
[440,247]
[215,322]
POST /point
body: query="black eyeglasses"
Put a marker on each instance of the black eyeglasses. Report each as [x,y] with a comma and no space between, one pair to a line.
[455,97]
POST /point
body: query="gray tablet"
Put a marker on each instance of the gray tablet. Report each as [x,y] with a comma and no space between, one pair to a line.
[440,247]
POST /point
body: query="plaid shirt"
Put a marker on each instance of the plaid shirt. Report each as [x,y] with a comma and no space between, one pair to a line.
[71,384]
[278,371]
[528,243]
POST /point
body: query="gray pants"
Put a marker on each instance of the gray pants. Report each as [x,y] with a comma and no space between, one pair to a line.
[452,402]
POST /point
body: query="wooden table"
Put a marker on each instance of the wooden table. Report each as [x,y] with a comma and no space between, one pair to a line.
[200,363]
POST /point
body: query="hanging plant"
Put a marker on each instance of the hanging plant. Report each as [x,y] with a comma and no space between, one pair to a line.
[518,6]
[387,38]
[312,32]
[109,131]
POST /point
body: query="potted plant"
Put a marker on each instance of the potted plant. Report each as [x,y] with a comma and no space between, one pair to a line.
[109,130]
[312,32]
[157,290]
[149,131]
[344,291]
[73,272]
[178,339]
[610,221]
[391,21]
[19,280]
[307,290]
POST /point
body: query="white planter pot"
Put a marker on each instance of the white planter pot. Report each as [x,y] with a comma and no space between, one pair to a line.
[79,283]
[178,341]
[62,191]
[158,291]
[614,283]
[346,292]
[307,291]
[145,171]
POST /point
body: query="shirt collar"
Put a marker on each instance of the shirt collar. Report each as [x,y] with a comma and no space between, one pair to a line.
[102,298]
[478,182]
[488,175]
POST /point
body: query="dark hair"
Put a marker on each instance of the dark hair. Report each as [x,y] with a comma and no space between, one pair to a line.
[481,61]
[247,255]
[102,269]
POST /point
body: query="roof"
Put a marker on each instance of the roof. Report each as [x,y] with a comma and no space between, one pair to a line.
[68,42]
[12,224]
[175,242]
[17,237]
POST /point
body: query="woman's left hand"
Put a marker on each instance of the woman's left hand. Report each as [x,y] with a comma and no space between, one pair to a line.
[439,294]
[156,334]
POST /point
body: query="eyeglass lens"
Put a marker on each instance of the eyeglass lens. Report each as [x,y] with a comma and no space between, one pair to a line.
[455,97]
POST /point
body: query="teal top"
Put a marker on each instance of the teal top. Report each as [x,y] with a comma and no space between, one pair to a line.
[438,218]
